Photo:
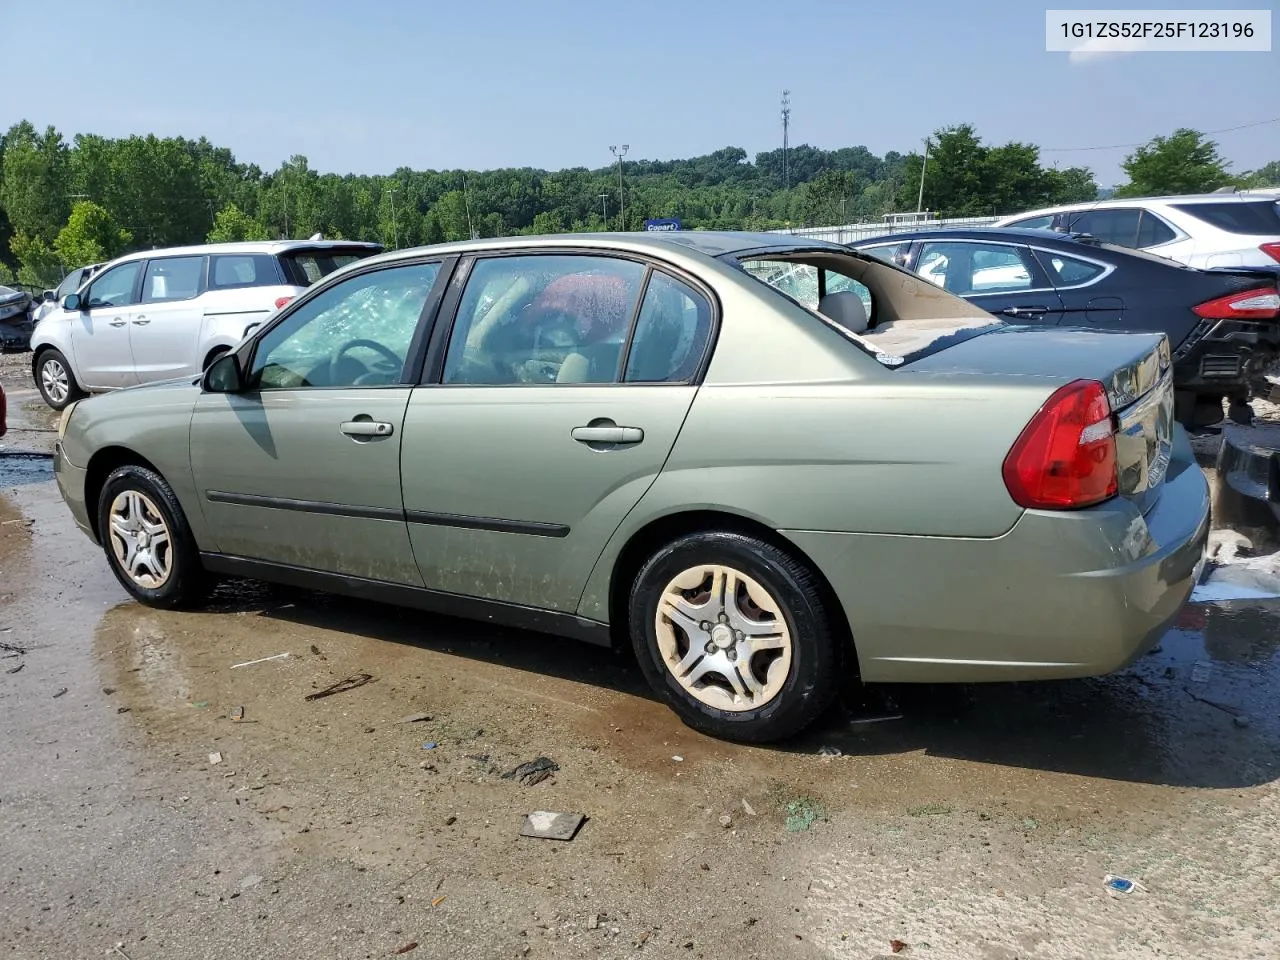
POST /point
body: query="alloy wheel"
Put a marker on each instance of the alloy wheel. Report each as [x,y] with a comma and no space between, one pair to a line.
[140,539]
[55,380]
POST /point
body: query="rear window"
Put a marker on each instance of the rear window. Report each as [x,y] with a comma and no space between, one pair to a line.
[231,270]
[304,267]
[1260,218]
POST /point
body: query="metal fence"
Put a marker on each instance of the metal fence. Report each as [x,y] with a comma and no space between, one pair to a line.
[853,232]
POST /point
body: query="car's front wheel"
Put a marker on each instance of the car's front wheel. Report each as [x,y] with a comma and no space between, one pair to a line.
[55,381]
[147,540]
[736,635]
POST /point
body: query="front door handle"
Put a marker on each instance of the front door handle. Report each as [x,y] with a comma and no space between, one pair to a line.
[1025,311]
[117,323]
[607,433]
[367,428]
[141,321]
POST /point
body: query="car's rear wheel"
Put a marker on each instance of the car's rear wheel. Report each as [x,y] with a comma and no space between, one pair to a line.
[736,635]
[55,381]
[148,541]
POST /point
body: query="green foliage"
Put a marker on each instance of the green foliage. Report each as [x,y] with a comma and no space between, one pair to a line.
[233,224]
[33,190]
[90,236]
[38,264]
[1267,176]
[1184,162]
[7,275]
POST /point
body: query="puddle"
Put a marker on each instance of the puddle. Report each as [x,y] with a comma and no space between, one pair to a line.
[21,469]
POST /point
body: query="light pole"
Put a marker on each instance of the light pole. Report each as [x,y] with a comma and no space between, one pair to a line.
[604,208]
[395,226]
[622,199]
[924,163]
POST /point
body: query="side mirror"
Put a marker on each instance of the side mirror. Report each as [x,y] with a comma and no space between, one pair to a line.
[49,296]
[224,375]
[72,302]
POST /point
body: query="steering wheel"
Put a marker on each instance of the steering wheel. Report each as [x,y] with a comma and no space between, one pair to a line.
[391,365]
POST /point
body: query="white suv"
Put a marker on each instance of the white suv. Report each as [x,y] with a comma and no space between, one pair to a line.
[164,314]
[1204,230]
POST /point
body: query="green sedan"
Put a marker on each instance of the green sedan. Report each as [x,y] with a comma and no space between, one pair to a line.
[768,464]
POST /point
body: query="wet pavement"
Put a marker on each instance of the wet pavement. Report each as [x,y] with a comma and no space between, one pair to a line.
[134,809]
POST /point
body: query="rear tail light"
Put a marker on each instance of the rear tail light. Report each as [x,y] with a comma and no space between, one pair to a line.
[281,301]
[1065,458]
[1261,303]
[1272,250]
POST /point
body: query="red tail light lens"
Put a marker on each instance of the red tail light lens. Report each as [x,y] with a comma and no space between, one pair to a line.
[1272,250]
[281,301]
[1065,457]
[1261,303]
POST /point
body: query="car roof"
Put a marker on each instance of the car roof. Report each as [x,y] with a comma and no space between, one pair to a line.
[247,246]
[709,243]
[1019,234]
[1188,198]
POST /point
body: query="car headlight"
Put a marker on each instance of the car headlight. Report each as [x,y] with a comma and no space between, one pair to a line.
[66,416]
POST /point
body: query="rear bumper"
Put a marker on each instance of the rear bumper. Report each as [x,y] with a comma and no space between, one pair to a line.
[1060,595]
[1224,356]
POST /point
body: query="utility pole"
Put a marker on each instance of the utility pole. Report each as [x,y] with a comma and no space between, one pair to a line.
[924,164]
[395,225]
[622,198]
[786,139]
[466,198]
[604,208]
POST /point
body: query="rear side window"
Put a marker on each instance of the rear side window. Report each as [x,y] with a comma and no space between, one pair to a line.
[1066,271]
[671,333]
[1152,231]
[1038,223]
[305,267]
[228,271]
[969,268]
[1113,225]
[173,278]
[1262,217]
[895,253]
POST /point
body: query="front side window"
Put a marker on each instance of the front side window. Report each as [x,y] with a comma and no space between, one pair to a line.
[228,271]
[70,283]
[895,253]
[543,319]
[115,287]
[174,278]
[968,269]
[355,334]
[671,333]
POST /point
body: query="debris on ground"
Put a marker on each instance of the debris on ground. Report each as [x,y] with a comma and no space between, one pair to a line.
[830,752]
[430,745]
[593,923]
[60,693]
[450,821]
[546,825]
[1120,884]
[108,691]
[250,663]
[879,719]
[747,807]
[437,901]
[415,718]
[250,881]
[1224,707]
[897,946]
[803,813]
[726,821]
[215,758]
[1201,671]
[929,810]
[535,771]
[237,713]
[678,759]
[411,945]
[12,648]
[342,686]
[15,669]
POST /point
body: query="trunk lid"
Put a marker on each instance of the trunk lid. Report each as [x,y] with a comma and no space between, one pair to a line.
[1134,368]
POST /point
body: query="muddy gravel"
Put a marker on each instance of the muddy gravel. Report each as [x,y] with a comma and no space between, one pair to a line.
[176,804]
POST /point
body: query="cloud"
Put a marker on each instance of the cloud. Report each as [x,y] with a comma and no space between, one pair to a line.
[1101,48]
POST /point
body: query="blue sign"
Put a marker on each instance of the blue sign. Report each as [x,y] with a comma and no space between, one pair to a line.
[663,223]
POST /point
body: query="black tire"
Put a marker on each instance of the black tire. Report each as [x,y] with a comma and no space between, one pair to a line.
[73,389]
[186,582]
[1240,412]
[812,682]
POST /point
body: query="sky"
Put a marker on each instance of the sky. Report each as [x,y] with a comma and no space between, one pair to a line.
[367,87]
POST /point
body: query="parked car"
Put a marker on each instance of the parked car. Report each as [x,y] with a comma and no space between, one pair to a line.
[1223,325]
[636,438]
[15,319]
[72,282]
[1202,230]
[160,314]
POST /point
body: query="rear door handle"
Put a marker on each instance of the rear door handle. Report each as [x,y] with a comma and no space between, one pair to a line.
[1025,311]
[367,428]
[607,434]
[117,323]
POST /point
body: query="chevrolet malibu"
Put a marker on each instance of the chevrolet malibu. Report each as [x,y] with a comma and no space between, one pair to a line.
[765,463]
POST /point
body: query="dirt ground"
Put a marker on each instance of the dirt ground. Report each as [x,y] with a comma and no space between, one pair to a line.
[134,811]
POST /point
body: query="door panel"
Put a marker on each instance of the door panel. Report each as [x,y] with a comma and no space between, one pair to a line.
[504,503]
[100,334]
[280,481]
[165,327]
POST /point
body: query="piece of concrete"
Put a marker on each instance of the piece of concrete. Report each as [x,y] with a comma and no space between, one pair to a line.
[546,825]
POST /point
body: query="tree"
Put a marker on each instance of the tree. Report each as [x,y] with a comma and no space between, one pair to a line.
[38,264]
[1184,162]
[1072,185]
[1267,176]
[90,236]
[829,198]
[232,224]
[33,190]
